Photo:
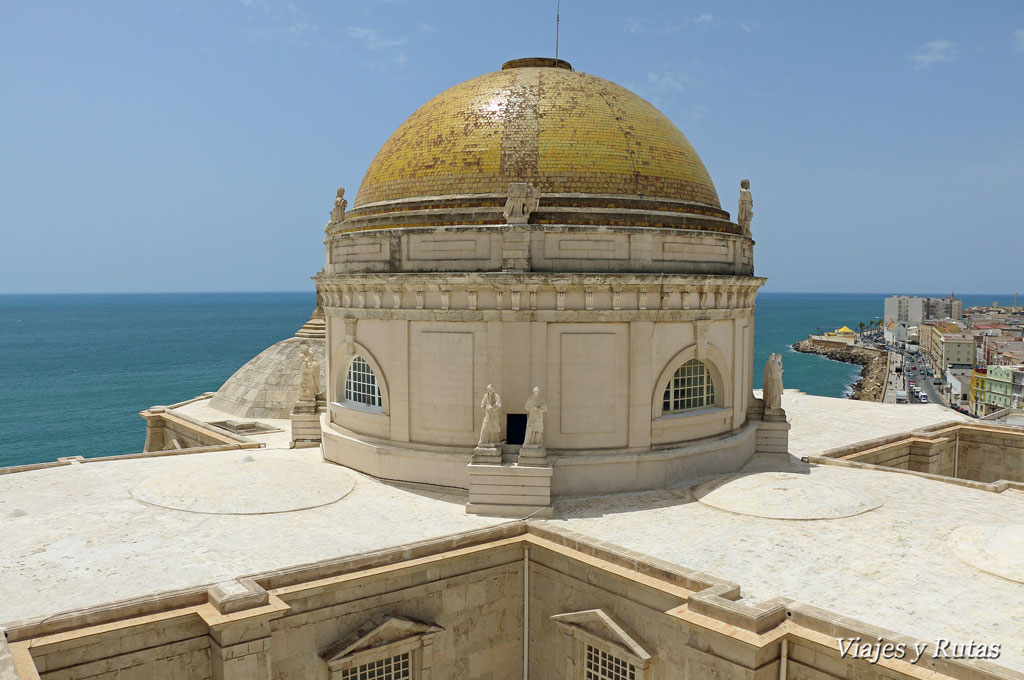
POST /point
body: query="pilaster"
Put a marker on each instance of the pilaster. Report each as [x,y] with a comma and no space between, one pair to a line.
[640,377]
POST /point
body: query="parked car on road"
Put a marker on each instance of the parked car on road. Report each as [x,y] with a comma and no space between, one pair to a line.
[924,398]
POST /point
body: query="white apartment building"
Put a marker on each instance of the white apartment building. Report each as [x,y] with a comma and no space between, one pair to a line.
[912,310]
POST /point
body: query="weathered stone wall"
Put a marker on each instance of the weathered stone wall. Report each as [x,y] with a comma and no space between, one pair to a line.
[555,248]
[991,455]
[933,456]
[671,622]
[476,599]
[163,649]
[561,585]
[601,355]
[983,454]
[167,431]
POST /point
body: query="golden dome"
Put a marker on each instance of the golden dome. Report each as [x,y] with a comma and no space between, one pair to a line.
[585,143]
[564,131]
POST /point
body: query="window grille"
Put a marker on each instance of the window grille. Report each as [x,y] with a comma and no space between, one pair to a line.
[391,668]
[361,384]
[603,666]
[691,387]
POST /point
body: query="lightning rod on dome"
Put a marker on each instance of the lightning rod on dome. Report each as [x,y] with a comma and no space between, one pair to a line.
[558,8]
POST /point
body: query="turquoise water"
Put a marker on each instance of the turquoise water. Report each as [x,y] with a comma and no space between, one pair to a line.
[75,370]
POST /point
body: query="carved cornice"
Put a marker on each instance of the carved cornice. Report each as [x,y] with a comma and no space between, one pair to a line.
[539,296]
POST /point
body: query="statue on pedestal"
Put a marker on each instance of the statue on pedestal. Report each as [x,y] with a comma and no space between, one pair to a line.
[772,395]
[523,199]
[535,410]
[490,432]
[305,421]
[338,213]
[309,383]
[745,212]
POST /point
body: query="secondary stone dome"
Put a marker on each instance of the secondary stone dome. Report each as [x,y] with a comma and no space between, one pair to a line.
[582,141]
[267,386]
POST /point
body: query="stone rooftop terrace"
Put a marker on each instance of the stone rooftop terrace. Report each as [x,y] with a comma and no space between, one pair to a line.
[893,567]
[75,536]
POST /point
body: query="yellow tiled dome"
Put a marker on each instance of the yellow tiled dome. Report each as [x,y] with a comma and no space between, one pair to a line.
[565,131]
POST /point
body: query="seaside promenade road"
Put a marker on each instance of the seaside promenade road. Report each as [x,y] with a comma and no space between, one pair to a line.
[935,393]
[889,391]
[895,381]
[901,381]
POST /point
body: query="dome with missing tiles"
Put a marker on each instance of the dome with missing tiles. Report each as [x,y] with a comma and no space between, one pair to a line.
[582,142]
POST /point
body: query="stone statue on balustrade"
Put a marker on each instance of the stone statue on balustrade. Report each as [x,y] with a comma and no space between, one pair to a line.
[338,213]
[305,421]
[532,450]
[490,432]
[309,382]
[745,212]
[523,199]
[772,394]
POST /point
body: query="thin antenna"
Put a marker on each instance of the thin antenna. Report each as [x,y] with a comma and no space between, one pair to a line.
[558,9]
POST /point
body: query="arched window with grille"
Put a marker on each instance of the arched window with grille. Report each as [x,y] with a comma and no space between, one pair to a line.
[361,384]
[691,387]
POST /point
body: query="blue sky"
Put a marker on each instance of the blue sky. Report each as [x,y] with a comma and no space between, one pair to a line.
[196,146]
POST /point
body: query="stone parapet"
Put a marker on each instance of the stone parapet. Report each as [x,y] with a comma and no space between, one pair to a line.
[605,209]
[457,604]
[980,453]
[168,430]
[541,248]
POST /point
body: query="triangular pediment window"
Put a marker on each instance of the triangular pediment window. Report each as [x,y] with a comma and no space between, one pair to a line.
[392,644]
[603,648]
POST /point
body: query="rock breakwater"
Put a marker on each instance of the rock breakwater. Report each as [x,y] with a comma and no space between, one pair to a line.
[875,363]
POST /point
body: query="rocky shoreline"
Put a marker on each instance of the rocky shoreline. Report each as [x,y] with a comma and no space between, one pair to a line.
[873,375]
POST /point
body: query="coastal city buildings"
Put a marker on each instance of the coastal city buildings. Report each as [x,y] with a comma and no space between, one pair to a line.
[895,333]
[975,356]
[996,387]
[952,350]
[913,310]
[535,304]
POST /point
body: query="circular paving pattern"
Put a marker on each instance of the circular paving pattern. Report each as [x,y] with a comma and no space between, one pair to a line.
[784,495]
[248,486]
[996,549]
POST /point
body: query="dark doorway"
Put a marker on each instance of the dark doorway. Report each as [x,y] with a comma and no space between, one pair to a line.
[515,428]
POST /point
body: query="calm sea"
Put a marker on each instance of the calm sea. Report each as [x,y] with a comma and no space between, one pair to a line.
[75,370]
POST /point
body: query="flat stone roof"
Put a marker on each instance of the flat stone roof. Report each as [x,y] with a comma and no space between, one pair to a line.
[892,567]
[872,545]
[75,537]
[819,424]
